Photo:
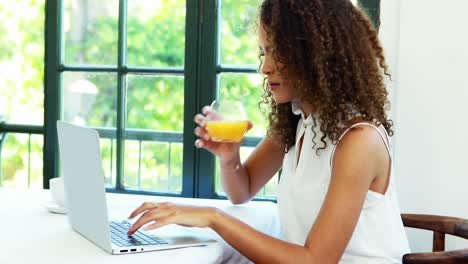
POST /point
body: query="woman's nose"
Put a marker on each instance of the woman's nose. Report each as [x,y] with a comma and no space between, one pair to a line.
[267,66]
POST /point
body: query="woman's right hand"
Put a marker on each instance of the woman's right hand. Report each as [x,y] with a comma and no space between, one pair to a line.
[224,150]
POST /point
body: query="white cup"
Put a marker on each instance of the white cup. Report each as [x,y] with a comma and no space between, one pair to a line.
[57,189]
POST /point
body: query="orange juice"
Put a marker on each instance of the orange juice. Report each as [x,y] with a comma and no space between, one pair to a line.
[228,131]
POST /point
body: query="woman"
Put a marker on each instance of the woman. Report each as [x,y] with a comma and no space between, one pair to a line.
[323,68]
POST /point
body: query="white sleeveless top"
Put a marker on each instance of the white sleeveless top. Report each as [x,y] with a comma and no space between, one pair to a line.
[379,236]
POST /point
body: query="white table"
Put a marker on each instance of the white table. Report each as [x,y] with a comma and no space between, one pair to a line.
[31,234]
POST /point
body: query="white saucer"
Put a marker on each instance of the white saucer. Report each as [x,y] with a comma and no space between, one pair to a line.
[55,208]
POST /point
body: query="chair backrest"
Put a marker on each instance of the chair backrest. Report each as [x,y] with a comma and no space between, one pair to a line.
[440,225]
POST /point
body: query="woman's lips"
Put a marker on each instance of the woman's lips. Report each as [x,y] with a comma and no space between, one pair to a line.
[273,86]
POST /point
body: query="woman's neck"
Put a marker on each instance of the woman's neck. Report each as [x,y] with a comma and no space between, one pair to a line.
[307,109]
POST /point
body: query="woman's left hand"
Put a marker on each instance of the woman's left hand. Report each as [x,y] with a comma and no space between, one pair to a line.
[162,214]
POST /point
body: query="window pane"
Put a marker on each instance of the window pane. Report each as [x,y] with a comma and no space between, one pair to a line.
[155,102]
[154,166]
[22,61]
[238,32]
[156,33]
[247,88]
[89,99]
[21,160]
[91,32]
[153,149]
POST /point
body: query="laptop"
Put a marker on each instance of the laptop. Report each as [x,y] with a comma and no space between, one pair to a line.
[85,199]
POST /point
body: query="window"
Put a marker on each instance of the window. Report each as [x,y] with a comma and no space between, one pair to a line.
[21,93]
[127,69]
[122,73]
[136,71]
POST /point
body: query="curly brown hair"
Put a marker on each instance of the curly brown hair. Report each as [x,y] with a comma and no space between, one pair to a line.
[333,57]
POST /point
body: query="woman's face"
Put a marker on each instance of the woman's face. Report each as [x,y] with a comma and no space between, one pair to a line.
[279,87]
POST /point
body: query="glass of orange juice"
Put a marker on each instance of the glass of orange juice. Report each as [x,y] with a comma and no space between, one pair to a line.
[230,122]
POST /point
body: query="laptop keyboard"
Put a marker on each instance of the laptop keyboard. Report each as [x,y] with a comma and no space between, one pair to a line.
[119,236]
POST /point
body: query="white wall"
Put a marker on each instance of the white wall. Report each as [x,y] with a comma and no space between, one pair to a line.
[427,46]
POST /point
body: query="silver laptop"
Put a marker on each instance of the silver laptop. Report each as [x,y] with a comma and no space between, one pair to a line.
[85,199]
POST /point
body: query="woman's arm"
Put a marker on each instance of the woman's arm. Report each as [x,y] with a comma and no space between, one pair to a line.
[241,182]
[359,158]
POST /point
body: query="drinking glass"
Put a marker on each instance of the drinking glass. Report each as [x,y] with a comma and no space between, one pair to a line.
[229,123]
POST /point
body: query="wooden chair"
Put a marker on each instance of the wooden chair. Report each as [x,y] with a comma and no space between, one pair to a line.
[441,225]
